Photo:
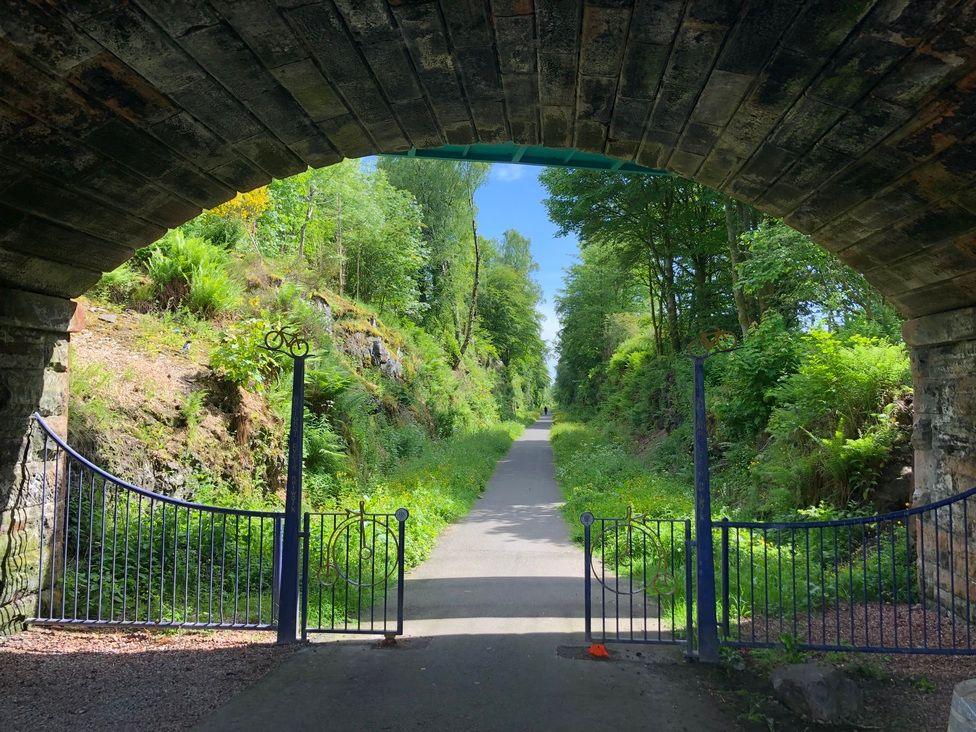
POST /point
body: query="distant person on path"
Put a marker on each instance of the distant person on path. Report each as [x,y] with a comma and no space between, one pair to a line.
[545,411]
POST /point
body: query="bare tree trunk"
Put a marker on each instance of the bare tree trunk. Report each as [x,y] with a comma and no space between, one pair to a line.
[670,300]
[359,251]
[309,208]
[342,254]
[733,228]
[658,349]
[474,285]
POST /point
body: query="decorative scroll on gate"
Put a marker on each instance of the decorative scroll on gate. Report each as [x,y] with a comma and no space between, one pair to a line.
[353,573]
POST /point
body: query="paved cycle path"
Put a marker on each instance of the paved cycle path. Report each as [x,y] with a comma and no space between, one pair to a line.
[485,615]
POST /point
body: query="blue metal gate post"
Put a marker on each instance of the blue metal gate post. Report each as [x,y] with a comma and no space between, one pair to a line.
[292,345]
[288,614]
[587,520]
[704,562]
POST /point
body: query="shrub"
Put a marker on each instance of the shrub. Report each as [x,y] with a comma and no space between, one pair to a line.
[830,429]
[211,292]
[118,286]
[745,393]
[241,358]
[325,451]
[191,272]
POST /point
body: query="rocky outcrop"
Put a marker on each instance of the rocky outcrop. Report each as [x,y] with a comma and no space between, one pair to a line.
[320,304]
[370,350]
[390,365]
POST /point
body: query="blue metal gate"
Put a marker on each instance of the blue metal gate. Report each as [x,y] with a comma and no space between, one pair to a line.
[112,553]
[353,573]
[899,582]
[638,580]
[123,555]
[894,583]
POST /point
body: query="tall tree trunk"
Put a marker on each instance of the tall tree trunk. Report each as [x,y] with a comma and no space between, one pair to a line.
[670,299]
[474,285]
[733,228]
[309,208]
[342,254]
[658,349]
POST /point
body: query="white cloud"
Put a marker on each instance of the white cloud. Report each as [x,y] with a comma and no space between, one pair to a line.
[506,173]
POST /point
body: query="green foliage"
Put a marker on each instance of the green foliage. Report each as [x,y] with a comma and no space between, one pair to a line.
[662,234]
[325,451]
[443,191]
[90,408]
[597,474]
[801,281]
[191,410]
[241,358]
[591,296]
[830,427]
[745,394]
[189,271]
[121,285]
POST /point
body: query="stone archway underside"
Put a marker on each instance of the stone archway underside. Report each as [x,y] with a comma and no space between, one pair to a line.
[853,119]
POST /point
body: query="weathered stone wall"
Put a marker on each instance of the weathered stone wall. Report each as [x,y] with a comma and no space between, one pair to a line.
[33,376]
[943,350]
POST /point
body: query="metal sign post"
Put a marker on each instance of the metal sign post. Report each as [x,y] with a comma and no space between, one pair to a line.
[291,345]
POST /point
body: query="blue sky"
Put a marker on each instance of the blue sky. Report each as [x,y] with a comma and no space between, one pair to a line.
[512,199]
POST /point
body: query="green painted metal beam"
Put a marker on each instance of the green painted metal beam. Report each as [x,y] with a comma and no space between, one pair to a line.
[530,155]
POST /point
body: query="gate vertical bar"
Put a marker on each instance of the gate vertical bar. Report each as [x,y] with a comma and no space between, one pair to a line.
[275,568]
[705,563]
[288,603]
[306,523]
[587,520]
[725,577]
[401,516]
[689,591]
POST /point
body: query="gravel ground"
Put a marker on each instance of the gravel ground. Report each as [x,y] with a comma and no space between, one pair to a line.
[875,624]
[63,679]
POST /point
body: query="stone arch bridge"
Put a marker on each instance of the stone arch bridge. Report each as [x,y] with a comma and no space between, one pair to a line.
[852,119]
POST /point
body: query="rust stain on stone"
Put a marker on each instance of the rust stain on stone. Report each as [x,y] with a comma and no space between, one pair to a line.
[121,89]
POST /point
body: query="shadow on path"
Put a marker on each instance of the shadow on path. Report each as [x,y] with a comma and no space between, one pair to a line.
[486,616]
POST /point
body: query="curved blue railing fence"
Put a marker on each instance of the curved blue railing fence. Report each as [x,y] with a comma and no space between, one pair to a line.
[118,554]
[121,554]
[899,582]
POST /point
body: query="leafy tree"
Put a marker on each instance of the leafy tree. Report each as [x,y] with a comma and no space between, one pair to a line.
[786,272]
[444,192]
[665,232]
[593,291]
